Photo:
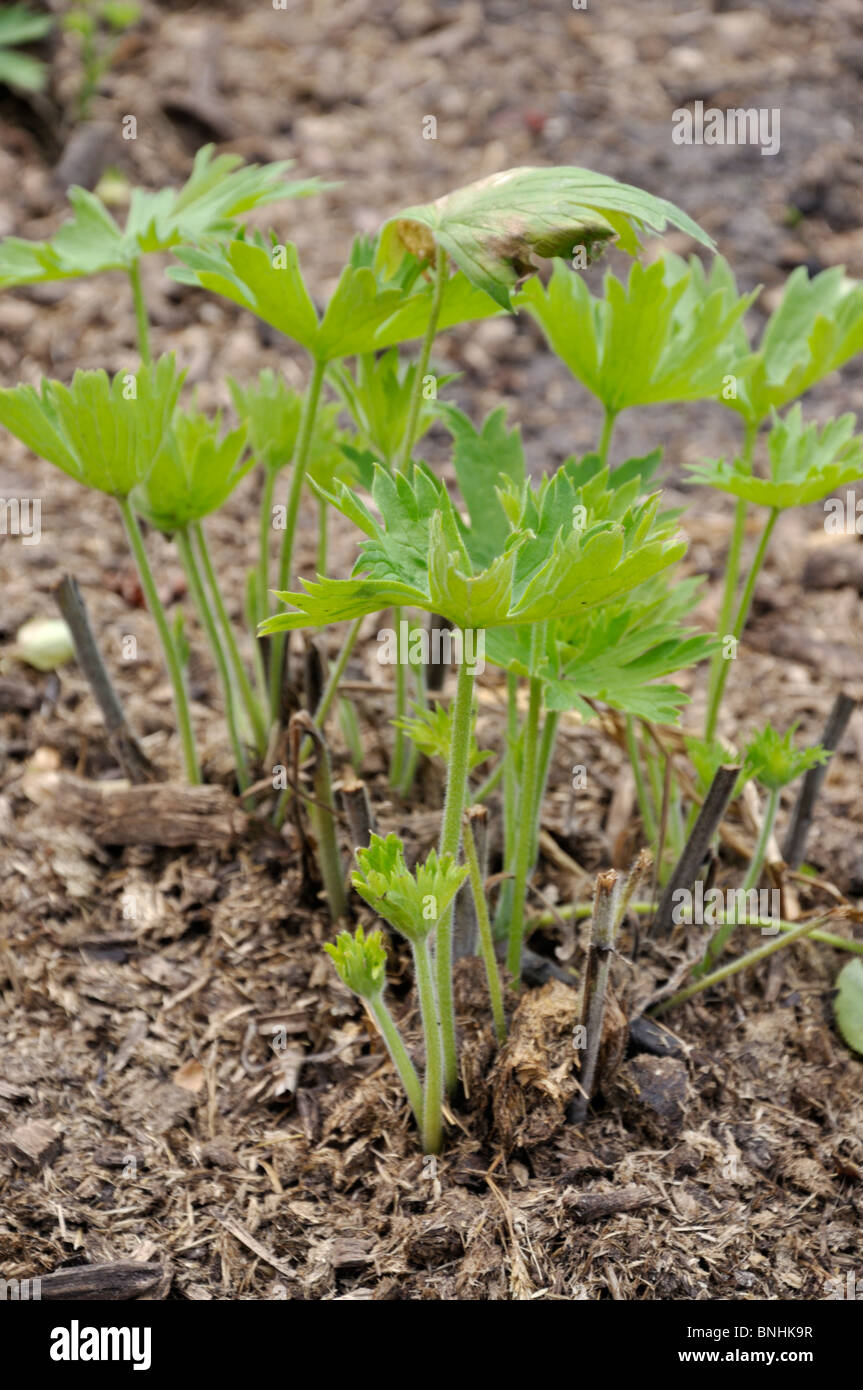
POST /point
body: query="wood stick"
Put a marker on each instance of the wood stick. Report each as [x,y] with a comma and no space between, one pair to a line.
[122,741]
[360,816]
[800,824]
[595,983]
[696,847]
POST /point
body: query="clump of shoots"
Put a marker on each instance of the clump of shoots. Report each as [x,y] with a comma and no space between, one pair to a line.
[361,963]
[415,904]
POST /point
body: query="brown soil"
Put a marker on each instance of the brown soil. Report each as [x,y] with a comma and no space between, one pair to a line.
[141,985]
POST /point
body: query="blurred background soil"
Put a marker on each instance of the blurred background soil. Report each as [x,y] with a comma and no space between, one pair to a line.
[139,1043]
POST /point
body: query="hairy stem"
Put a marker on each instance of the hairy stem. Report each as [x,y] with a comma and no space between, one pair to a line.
[398,1052]
[719,663]
[172,660]
[397,763]
[607,431]
[142,321]
[433,1091]
[323,518]
[645,809]
[450,839]
[425,354]
[529,820]
[199,597]
[265,527]
[485,934]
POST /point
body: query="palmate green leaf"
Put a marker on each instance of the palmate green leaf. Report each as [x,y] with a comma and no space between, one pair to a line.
[218,191]
[614,653]
[492,228]
[774,761]
[483,460]
[416,555]
[360,960]
[430,731]
[806,463]
[195,471]
[364,314]
[816,328]
[412,902]
[106,434]
[667,335]
[271,412]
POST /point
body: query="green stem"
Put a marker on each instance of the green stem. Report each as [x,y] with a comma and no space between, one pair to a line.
[740,963]
[142,322]
[412,758]
[546,749]
[755,570]
[433,1093]
[485,935]
[265,527]
[723,934]
[719,663]
[525,832]
[425,354]
[510,801]
[199,597]
[252,707]
[172,660]
[398,1052]
[742,615]
[301,460]
[322,537]
[607,431]
[450,839]
[491,782]
[767,823]
[397,764]
[580,911]
[648,818]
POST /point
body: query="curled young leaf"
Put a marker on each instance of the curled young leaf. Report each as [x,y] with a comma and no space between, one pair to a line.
[493,228]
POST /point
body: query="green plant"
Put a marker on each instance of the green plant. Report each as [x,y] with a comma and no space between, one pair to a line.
[415,903]
[806,464]
[20,25]
[815,329]
[218,191]
[566,582]
[361,963]
[193,474]
[97,26]
[107,434]
[667,335]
